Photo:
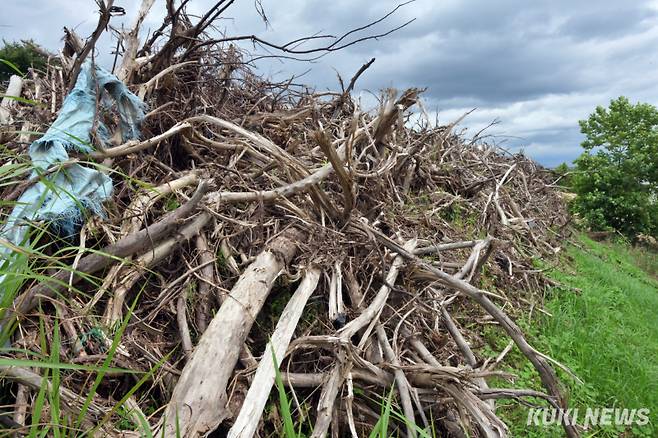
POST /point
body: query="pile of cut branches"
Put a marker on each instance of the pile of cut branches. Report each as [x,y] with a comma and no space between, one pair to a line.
[261,229]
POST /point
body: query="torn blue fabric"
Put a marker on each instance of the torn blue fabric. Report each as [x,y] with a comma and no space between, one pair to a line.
[65,196]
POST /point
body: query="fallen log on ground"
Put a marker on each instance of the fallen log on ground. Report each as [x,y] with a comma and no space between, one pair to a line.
[246,423]
[198,402]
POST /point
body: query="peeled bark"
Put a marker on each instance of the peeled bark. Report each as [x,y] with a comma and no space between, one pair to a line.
[198,403]
[13,90]
[252,409]
[131,43]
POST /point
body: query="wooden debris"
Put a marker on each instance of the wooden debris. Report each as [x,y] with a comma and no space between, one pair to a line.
[243,198]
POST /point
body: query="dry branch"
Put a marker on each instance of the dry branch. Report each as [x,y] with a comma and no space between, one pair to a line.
[105,10]
[131,275]
[131,43]
[207,274]
[547,374]
[247,421]
[198,403]
[94,262]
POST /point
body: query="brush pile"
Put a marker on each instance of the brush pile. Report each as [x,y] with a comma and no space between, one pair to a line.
[257,223]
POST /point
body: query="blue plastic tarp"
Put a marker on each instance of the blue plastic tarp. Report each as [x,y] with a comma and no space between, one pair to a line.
[63,197]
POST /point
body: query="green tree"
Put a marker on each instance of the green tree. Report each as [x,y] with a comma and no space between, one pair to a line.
[563,172]
[23,55]
[616,178]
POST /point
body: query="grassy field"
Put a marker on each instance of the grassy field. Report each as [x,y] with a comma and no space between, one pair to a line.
[604,327]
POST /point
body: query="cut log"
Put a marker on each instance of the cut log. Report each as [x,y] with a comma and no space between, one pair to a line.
[198,403]
[247,422]
[13,90]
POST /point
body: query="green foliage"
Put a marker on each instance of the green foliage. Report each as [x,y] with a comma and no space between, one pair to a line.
[171,203]
[21,57]
[564,174]
[617,175]
[607,332]
[381,427]
[603,328]
[124,423]
[284,403]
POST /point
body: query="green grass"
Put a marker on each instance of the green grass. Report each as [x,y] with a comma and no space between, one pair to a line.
[50,415]
[606,331]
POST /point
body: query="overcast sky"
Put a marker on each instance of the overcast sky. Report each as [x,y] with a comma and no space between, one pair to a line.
[536,66]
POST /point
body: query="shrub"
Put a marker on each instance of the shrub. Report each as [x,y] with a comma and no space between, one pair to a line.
[23,55]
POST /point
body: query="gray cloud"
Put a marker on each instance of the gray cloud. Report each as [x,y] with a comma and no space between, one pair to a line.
[537,66]
[611,23]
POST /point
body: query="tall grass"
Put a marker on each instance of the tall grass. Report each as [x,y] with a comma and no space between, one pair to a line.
[604,327]
[31,262]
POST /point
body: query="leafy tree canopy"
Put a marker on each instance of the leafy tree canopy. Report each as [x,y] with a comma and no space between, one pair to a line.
[617,175]
[23,55]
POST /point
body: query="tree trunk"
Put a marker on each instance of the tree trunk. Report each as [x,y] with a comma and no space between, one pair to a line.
[198,404]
